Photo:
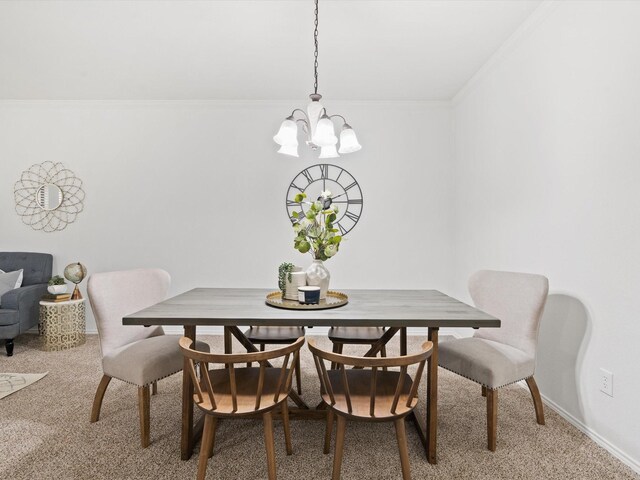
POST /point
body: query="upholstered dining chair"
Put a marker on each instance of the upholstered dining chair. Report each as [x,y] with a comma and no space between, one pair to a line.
[496,357]
[137,355]
[263,336]
[368,394]
[230,392]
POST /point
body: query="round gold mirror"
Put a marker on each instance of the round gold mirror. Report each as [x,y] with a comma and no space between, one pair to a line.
[49,196]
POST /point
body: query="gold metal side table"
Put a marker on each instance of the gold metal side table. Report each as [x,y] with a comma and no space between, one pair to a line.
[62,325]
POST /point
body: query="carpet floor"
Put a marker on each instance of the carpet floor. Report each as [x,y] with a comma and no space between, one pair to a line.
[45,432]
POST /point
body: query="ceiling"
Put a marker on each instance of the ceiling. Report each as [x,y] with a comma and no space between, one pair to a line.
[254,50]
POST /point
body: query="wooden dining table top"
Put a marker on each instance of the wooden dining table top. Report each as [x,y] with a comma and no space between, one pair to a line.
[244,306]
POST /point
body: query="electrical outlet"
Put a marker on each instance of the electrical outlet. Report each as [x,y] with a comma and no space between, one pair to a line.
[606,382]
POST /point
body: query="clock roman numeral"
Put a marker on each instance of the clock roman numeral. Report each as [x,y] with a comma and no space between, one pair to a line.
[348,187]
[291,203]
[324,171]
[293,185]
[352,216]
[342,229]
[354,201]
[307,175]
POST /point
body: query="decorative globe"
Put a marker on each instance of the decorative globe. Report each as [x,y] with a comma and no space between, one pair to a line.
[75,272]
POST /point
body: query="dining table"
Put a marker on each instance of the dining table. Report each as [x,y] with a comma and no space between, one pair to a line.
[396,310]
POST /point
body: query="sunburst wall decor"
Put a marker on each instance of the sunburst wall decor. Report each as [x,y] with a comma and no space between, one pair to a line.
[48,196]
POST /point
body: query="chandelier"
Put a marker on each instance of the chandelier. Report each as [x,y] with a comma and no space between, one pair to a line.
[317,124]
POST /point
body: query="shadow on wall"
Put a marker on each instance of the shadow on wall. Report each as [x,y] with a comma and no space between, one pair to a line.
[565,330]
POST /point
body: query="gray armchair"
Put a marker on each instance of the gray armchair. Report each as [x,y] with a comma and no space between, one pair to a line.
[19,308]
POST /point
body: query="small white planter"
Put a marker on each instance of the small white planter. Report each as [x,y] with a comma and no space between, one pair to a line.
[57,289]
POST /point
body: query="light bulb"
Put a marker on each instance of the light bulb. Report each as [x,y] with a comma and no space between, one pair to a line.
[288,133]
[348,140]
[324,135]
[328,152]
[291,150]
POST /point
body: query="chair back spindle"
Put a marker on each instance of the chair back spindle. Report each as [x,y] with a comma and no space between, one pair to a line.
[366,395]
[227,394]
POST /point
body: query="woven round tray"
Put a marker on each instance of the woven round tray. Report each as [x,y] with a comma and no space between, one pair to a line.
[333,300]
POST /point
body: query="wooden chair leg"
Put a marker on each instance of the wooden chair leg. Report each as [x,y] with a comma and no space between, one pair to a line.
[401,436]
[207,444]
[269,444]
[327,432]
[484,391]
[287,430]
[537,400]
[492,418]
[213,436]
[154,388]
[337,456]
[97,400]
[298,376]
[144,401]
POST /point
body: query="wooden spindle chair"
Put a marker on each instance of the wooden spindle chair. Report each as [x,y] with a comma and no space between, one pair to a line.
[368,394]
[341,336]
[241,392]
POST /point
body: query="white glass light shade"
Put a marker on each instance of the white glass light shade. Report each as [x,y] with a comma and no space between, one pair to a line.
[314,110]
[348,141]
[328,152]
[288,134]
[324,134]
[291,150]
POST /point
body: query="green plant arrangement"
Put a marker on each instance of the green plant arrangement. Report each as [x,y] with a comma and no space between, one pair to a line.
[314,231]
[284,273]
[57,280]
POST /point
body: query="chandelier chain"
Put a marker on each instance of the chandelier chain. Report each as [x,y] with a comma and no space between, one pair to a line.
[315,54]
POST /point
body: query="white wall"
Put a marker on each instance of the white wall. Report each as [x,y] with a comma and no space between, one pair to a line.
[547,167]
[197,188]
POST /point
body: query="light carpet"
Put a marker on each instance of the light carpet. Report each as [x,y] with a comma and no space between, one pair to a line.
[45,432]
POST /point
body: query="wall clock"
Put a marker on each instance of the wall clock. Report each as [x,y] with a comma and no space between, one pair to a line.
[345,192]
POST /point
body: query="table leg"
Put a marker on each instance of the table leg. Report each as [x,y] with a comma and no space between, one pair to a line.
[381,342]
[186,444]
[403,341]
[227,341]
[432,398]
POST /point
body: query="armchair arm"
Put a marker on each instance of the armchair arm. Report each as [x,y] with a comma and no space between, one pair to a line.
[26,301]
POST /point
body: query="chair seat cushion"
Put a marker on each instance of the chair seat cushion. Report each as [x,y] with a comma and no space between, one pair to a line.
[355,334]
[489,363]
[359,383]
[246,391]
[274,335]
[147,360]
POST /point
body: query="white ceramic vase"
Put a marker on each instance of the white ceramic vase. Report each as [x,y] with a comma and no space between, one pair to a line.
[57,289]
[319,276]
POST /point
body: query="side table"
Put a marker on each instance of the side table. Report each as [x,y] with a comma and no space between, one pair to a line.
[62,324]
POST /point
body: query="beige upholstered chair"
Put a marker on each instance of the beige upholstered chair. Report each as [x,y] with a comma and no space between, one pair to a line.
[495,357]
[137,355]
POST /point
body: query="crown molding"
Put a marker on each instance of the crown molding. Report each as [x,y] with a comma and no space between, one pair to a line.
[286,104]
[507,48]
